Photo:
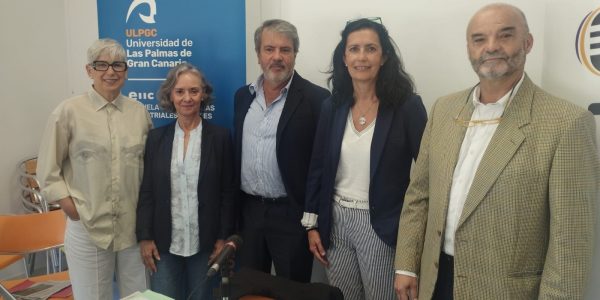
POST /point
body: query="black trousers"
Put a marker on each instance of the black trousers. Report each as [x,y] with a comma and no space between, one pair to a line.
[272,233]
[444,285]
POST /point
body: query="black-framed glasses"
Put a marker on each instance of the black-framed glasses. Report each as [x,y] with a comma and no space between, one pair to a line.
[117,66]
[372,19]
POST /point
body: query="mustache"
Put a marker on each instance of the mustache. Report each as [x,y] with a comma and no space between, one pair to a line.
[485,57]
[277,65]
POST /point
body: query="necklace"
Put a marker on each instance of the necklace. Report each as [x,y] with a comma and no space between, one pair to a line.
[362,120]
[471,123]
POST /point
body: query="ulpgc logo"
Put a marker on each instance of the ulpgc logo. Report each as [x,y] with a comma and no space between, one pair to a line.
[587,43]
[149,19]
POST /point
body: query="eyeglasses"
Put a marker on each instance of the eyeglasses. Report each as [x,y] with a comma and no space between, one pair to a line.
[117,66]
[372,19]
[471,123]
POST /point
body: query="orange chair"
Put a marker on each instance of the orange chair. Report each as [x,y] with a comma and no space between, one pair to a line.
[7,260]
[33,202]
[30,233]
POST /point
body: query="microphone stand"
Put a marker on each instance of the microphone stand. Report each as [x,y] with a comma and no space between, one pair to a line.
[225,288]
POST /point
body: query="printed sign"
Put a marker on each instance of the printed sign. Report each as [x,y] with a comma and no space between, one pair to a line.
[159,34]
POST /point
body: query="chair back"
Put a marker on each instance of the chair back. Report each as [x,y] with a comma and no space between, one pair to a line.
[29,233]
[31,198]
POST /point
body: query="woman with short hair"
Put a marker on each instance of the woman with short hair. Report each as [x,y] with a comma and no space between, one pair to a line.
[90,161]
[185,211]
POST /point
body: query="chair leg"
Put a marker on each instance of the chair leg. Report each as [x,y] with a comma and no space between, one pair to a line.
[55,260]
[31,263]
[24,260]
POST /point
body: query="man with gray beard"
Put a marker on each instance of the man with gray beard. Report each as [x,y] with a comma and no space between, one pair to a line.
[275,120]
[502,201]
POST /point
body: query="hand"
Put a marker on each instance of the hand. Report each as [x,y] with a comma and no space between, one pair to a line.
[229,264]
[315,246]
[406,287]
[149,253]
[68,207]
[217,249]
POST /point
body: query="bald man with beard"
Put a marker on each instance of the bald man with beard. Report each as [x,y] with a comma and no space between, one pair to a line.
[502,201]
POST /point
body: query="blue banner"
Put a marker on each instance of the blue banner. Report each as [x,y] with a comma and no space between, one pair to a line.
[159,34]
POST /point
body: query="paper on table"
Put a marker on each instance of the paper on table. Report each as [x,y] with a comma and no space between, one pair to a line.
[146,295]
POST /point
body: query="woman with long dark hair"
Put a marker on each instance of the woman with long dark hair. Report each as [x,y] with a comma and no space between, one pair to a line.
[368,135]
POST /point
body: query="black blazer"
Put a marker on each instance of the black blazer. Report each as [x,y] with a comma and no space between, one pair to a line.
[295,133]
[395,145]
[216,188]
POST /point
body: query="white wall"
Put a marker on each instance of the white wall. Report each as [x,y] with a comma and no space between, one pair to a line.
[33,77]
[42,60]
[43,46]
[430,36]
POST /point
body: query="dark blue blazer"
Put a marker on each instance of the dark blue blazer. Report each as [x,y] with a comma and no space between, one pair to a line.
[295,134]
[395,145]
[216,187]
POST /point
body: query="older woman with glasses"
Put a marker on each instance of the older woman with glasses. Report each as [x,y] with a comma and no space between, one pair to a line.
[185,211]
[368,135]
[90,161]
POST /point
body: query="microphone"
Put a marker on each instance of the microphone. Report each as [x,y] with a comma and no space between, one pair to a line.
[231,245]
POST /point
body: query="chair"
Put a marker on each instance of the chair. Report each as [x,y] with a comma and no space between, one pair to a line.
[33,202]
[247,284]
[31,233]
[9,259]
[31,198]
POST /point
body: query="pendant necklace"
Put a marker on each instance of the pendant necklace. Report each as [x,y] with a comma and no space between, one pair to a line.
[362,120]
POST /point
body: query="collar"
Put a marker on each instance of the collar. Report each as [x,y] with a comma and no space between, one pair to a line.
[100,102]
[502,101]
[195,131]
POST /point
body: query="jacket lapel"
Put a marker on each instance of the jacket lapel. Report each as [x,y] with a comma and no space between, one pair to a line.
[292,100]
[340,118]
[504,144]
[164,156]
[383,123]
[451,138]
[205,149]
[245,102]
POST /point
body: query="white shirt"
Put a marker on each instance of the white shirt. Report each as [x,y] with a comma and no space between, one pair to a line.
[473,147]
[185,239]
[352,179]
[353,174]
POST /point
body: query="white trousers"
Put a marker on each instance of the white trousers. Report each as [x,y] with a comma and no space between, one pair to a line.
[92,269]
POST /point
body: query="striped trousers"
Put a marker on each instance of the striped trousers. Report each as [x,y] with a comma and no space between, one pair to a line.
[360,263]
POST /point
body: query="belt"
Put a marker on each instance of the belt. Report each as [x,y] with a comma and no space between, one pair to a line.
[446,258]
[267,200]
[351,203]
